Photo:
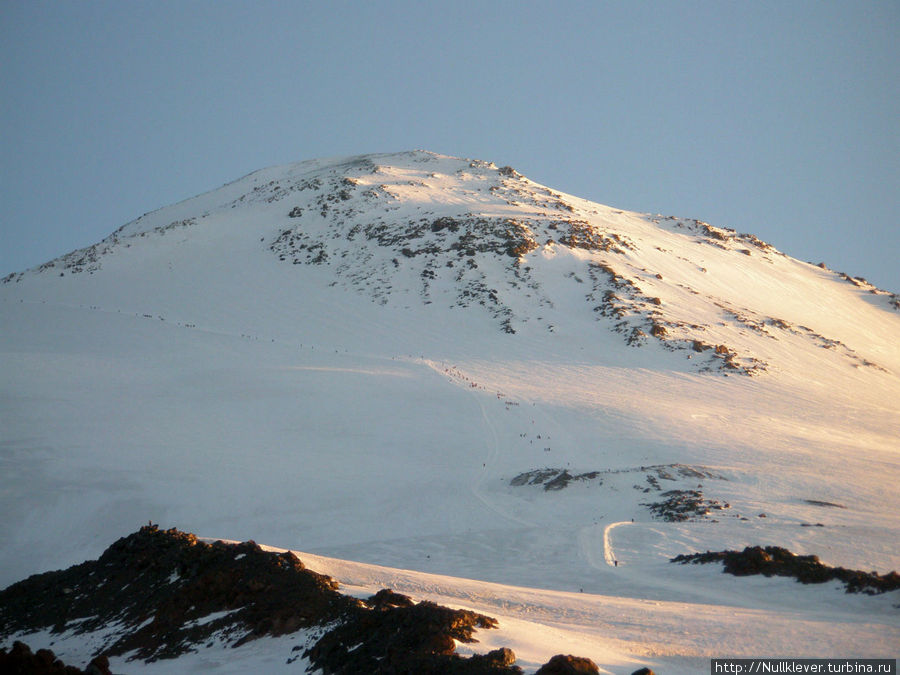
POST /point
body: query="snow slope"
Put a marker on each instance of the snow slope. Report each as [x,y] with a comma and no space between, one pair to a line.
[357,357]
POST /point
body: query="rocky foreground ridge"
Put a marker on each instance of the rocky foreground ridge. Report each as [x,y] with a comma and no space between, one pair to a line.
[158,594]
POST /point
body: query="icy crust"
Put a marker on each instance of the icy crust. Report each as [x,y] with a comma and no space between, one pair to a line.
[421,228]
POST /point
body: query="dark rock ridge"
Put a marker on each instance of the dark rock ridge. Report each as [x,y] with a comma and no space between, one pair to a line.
[553,479]
[819,502]
[807,569]
[159,594]
[681,505]
[559,478]
[685,502]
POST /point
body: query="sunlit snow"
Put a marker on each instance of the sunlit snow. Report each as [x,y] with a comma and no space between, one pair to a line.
[373,407]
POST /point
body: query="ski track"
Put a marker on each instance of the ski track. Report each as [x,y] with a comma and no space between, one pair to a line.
[493,453]
[608,554]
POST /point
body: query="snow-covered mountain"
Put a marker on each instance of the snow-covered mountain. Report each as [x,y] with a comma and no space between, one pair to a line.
[469,384]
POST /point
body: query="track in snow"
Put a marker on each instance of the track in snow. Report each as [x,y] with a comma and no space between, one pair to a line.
[608,553]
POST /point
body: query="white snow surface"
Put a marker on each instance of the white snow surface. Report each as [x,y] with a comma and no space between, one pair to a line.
[207,368]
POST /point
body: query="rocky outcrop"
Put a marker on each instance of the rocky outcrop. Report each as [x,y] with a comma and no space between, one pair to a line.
[681,505]
[807,569]
[566,664]
[392,634]
[168,592]
[158,594]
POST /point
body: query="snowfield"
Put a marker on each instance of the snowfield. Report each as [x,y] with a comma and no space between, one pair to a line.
[363,381]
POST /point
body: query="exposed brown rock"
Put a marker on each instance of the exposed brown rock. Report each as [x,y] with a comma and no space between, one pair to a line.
[566,664]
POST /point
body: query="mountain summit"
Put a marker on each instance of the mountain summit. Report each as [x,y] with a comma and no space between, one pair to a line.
[421,228]
[435,375]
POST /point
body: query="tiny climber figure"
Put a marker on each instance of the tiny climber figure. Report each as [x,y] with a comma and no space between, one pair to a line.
[615,563]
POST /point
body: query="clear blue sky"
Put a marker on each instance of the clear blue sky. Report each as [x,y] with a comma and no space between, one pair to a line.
[776,118]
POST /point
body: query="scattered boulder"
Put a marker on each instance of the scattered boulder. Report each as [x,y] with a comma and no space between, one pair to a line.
[20,660]
[657,330]
[566,664]
[500,657]
[99,665]
[386,598]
